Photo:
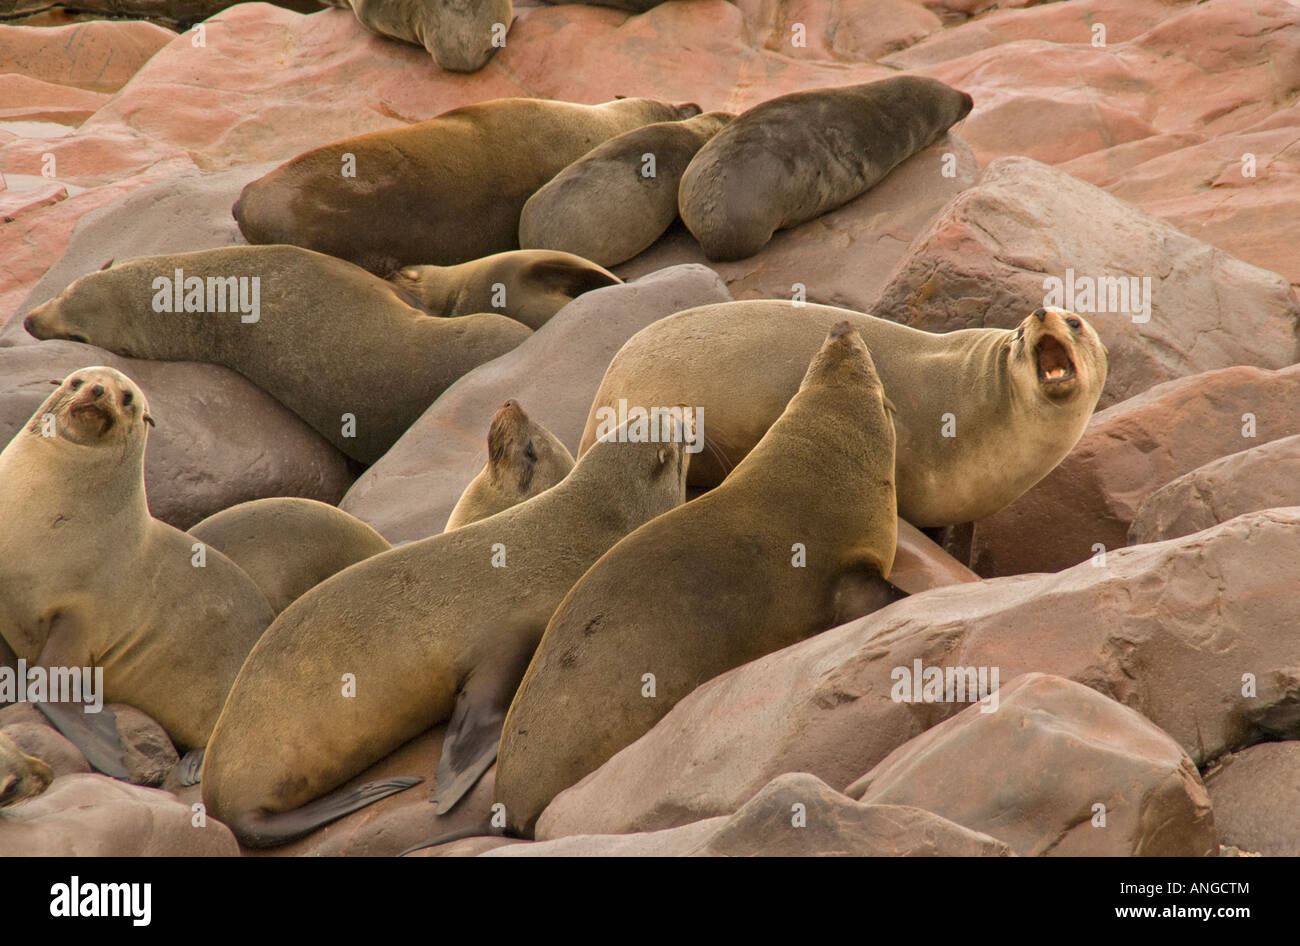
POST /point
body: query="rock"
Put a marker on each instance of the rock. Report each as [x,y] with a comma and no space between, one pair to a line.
[1261,477]
[999,771]
[466,847]
[1126,454]
[1256,796]
[795,815]
[97,55]
[843,257]
[147,749]
[852,30]
[47,744]
[409,493]
[984,262]
[96,816]
[399,821]
[1167,630]
[219,440]
[187,211]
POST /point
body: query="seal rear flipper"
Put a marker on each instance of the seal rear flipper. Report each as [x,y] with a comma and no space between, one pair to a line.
[570,277]
[190,769]
[263,830]
[95,734]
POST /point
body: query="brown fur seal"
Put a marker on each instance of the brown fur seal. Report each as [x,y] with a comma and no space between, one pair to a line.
[755,565]
[606,206]
[442,627]
[288,545]
[982,414]
[795,157]
[528,286]
[21,776]
[442,191]
[524,459]
[89,578]
[458,34]
[322,336]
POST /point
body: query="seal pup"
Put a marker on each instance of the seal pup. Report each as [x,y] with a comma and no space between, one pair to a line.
[336,345]
[442,191]
[88,578]
[612,203]
[528,286]
[795,157]
[459,34]
[524,459]
[288,545]
[760,562]
[443,627]
[982,414]
[21,776]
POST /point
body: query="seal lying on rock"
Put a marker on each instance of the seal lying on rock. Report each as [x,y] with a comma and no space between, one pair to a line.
[460,35]
[442,627]
[764,560]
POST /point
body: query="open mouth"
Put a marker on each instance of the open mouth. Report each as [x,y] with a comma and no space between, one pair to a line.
[94,411]
[1054,364]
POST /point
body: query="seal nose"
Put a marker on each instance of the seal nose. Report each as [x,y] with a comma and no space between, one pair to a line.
[27,325]
[1041,314]
[97,390]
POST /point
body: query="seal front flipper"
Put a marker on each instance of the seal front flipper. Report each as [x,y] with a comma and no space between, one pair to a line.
[261,830]
[474,732]
[95,734]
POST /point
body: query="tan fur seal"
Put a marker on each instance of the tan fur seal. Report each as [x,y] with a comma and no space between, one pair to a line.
[524,459]
[529,286]
[333,343]
[459,34]
[795,157]
[442,627]
[983,414]
[442,191]
[289,545]
[607,206]
[760,562]
[89,578]
[21,776]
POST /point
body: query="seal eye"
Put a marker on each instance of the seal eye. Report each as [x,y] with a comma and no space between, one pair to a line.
[127,398]
[76,383]
[529,453]
[1074,324]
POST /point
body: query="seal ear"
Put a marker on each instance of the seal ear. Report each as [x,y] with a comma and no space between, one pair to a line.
[106,265]
[149,420]
[889,406]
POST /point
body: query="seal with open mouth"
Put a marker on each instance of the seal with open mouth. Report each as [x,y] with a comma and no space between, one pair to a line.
[982,414]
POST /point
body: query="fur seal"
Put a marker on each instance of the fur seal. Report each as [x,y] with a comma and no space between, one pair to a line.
[760,562]
[524,459]
[21,776]
[289,545]
[89,578]
[442,191]
[528,286]
[797,156]
[443,627]
[458,34]
[982,414]
[606,206]
[331,342]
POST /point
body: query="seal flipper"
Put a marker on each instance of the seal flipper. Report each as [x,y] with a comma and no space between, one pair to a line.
[190,769]
[474,732]
[263,830]
[95,734]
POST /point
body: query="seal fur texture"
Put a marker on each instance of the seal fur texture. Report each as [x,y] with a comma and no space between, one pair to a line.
[440,628]
[795,157]
[21,776]
[755,565]
[1015,401]
[605,206]
[336,345]
[528,286]
[289,545]
[524,459]
[442,191]
[89,578]
[458,34]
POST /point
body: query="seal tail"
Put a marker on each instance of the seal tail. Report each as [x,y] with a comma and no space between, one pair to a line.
[263,830]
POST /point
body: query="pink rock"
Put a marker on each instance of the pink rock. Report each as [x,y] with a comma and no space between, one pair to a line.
[1126,454]
[44,742]
[98,55]
[849,30]
[34,100]
[1256,796]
